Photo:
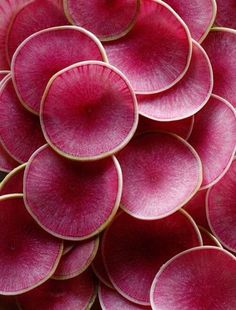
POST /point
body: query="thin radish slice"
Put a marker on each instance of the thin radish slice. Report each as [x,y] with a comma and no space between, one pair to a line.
[219,46]
[214,138]
[145,55]
[134,250]
[83,208]
[77,293]
[34,16]
[226,11]
[220,206]
[68,246]
[44,48]
[83,108]
[7,163]
[108,20]
[161,173]
[29,255]
[13,182]
[3,74]
[199,278]
[208,238]
[20,131]
[186,97]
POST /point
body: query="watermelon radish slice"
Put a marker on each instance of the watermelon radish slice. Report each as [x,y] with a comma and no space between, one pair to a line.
[76,293]
[208,238]
[88,111]
[83,208]
[108,20]
[161,173]
[29,256]
[77,259]
[226,11]
[128,240]
[13,182]
[220,206]
[7,163]
[3,74]
[47,57]
[214,127]
[20,131]
[145,55]
[68,246]
[199,278]
[34,16]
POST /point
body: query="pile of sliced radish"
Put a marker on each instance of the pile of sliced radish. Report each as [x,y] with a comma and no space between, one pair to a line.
[117,155]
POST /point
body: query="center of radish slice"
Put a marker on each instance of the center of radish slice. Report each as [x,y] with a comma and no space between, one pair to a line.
[89,111]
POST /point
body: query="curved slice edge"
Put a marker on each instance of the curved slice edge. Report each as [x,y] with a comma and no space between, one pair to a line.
[210,236]
[211,23]
[10,175]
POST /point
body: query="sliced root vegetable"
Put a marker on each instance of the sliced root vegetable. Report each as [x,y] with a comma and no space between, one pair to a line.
[88,111]
[226,11]
[44,49]
[69,199]
[108,20]
[7,163]
[145,55]
[29,255]
[20,131]
[13,182]
[208,238]
[3,75]
[161,173]
[186,97]
[199,278]
[214,138]
[68,246]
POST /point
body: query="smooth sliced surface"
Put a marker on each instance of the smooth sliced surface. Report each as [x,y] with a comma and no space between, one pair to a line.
[208,238]
[214,138]
[13,182]
[186,97]
[200,278]
[7,163]
[88,111]
[84,207]
[161,173]
[29,255]
[41,55]
[134,250]
[145,55]
[226,11]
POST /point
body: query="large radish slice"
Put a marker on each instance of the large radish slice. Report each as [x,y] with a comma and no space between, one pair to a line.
[226,11]
[186,97]
[214,138]
[134,250]
[88,111]
[7,163]
[161,173]
[13,182]
[84,207]
[145,55]
[20,131]
[208,238]
[199,278]
[44,48]
[29,255]
[108,20]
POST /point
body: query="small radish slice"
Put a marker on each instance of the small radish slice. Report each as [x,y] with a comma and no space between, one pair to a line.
[68,246]
[7,163]
[44,48]
[220,205]
[214,138]
[199,278]
[3,74]
[145,55]
[134,250]
[108,20]
[83,208]
[226,11]
[29,255]
[13,182]
[161,173]
[88,111]
[208,238]
[20,131]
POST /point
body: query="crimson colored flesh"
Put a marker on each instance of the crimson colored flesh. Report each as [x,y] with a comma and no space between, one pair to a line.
[208,238]
[13,182]
[3,74]
[7,163]
[226,11]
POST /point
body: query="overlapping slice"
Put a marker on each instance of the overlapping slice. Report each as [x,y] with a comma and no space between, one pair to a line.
[226,11]
[13,182]
[200,278]
[7,163]
[29,255]
[88,111]
[68,245]
[161,172]
[71,200]
[208,238]
[145,55]
[3,75]
[214,138]
[44,49]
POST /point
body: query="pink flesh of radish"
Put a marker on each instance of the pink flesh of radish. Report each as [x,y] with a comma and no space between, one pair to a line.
[7,163]
[226,12]
[145,54]
[200,278]
[83,108]
[208,238]
[13,182]
[133,250]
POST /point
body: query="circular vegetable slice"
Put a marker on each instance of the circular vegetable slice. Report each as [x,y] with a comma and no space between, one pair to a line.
[145,55]
[13,182]
[85,196]
[214,127]
[44,48]
[208,238]
[190,278]
[108,20]
[161,173]
[7,163]
[29,256]
[134,250]
[226,11]
[83,108]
